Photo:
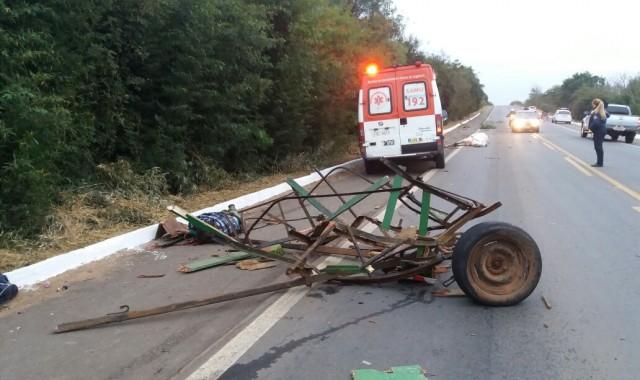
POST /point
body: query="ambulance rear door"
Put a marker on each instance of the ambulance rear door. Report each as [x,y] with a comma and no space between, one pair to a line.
[381,119]
[417,112]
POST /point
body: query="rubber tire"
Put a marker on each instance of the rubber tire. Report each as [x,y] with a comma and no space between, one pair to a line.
[582,132]
[614,136]
[628,138]
[504,231]
[372,166]
[439,160]
[537,130]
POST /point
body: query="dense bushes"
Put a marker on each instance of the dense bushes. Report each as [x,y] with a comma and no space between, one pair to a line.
[193,88]
[577,92]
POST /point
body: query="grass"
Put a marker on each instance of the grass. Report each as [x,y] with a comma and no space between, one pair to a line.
[125,200]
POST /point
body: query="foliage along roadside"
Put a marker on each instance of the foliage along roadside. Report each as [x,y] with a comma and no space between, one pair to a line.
[577,92]
[188,90]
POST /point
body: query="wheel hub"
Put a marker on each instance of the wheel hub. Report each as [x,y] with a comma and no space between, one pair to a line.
[498,267]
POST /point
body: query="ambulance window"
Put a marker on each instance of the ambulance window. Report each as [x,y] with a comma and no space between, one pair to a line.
[379,100]
[415,96]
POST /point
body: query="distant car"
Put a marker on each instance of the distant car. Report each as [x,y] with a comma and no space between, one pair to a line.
[561,116]
[619,123]
[525,120]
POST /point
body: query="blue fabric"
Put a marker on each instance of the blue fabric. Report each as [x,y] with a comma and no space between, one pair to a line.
[225,222]
[596,123]
[598,140]
[7,290]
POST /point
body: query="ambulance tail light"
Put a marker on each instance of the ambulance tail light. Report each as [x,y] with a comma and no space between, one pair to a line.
[439,125]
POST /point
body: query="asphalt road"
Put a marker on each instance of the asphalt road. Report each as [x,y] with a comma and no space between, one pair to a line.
[586,222]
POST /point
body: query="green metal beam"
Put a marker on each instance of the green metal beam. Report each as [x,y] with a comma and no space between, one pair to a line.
[424,218]
[302,192]
[391,204]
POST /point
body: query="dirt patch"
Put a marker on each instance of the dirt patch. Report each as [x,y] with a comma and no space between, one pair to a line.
[87,219]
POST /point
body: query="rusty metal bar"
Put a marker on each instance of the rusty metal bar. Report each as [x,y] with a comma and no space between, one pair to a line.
[128,315]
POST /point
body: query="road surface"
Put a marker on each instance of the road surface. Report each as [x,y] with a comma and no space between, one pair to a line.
[585,220]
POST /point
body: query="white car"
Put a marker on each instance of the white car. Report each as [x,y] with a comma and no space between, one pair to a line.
[561,116]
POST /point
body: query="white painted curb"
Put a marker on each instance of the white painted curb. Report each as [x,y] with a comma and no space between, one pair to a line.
[32,274]
[463,122]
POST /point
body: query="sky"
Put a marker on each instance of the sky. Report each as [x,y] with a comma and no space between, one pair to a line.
[516,45]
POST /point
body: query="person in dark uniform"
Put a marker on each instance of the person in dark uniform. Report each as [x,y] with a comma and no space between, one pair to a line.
[598,125]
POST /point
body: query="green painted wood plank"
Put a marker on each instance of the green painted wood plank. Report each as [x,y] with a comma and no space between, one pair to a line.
[408,372]
[424,218]
[211,262]
[342,269]
[391,204]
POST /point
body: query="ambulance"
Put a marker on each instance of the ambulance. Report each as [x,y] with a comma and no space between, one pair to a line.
[400,115]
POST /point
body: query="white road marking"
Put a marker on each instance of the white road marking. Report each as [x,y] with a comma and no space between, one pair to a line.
[578,166]
[549,146]
[233,350]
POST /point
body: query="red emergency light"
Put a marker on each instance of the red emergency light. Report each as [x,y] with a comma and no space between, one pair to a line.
[372,69]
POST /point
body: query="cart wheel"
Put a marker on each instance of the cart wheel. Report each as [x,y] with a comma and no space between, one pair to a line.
[496,264]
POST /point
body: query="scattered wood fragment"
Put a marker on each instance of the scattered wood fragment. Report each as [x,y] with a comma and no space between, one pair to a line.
[211,262]
[448,293]
[255,264]
[410,372]
[546,303]
[150,275]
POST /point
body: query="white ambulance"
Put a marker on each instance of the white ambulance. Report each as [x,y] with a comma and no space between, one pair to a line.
[400,115]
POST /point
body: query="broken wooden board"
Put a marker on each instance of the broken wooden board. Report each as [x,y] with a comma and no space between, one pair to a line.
[448,293]
[255,264]
[407,372]
[171,228]
[211,262]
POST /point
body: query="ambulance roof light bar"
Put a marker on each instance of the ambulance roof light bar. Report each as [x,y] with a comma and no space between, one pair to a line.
[372,69]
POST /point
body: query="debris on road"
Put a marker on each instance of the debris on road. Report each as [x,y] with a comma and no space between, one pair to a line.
[448,293]
[150,275]
[255,264]
[477,139]
[407,372]
[546,303]
[310,230]
[231,257]
[211,262]
[171,228]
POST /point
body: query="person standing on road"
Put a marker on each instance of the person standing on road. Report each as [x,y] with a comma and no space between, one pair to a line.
[598,125]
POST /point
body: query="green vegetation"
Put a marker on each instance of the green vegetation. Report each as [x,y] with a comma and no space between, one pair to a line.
[176,96]
[577,92]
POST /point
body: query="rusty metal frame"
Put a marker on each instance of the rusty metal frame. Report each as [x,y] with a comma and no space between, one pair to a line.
[381,257]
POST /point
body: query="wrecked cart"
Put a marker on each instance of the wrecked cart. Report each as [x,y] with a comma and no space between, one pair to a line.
[494,263]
